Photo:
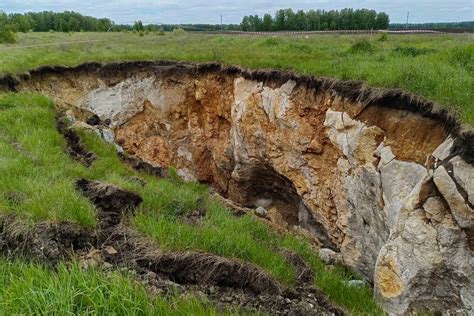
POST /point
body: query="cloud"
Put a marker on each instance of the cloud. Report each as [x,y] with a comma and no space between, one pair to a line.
[192,11]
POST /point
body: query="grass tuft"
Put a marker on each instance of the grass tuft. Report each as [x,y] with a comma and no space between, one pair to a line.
[32,289]
[363,46]
[413,51]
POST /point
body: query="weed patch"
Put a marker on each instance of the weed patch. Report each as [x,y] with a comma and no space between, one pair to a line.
[463,57]
[363,46]
[299,48]
[270,42]
[413,51]
[383,37]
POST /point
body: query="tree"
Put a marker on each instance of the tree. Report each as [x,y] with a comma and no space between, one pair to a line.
[267,23]
[57,21]
[313,20]
[74,24]
[22,23]
[245,24]
[138,26]
[280,20]
[382,21]
[255,23]
[7,30]
[290,20]
[63,26]
[301,20]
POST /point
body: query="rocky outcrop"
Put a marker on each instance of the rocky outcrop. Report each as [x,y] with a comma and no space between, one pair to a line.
[382,178]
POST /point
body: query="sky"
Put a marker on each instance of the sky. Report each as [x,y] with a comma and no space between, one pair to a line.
[209,11]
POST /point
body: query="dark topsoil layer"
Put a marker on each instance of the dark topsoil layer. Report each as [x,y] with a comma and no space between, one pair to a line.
[352,90]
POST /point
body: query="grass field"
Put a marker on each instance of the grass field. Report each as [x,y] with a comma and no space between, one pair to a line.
[438,67]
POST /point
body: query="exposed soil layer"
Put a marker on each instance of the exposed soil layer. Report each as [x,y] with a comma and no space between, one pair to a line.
[46,242]
[142,166]
[352,90]
[111,202]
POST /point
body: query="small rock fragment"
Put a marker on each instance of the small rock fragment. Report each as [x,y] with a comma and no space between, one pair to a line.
[356,283]
[110,250]
[94,120]
[261,211]
[329,256]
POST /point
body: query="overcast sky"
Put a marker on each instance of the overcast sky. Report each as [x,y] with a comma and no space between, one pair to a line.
[191,11]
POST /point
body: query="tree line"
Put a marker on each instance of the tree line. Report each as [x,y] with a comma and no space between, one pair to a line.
[317,20]
[139,26]
[434,26]
[46,21]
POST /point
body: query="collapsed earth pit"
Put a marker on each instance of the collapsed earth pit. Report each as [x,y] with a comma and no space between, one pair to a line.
[383,177]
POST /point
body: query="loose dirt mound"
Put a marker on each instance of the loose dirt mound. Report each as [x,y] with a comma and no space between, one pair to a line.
[111,201]
[45,242]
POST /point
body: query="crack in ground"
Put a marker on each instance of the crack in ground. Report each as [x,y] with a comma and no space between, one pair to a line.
[225,282]
[75,148]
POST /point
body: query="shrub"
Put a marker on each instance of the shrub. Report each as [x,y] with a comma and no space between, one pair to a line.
[363,46]
[7,35]
[179,31]
[463,57]
[383,37]
[270,42]
[141,34]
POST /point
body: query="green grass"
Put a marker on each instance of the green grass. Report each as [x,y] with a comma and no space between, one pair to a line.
[438,67]
[32,289]
[38,179]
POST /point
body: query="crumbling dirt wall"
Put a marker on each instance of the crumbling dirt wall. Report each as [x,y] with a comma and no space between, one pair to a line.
[364,170]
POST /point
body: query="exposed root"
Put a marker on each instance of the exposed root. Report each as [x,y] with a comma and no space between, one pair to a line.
[197,215]
[304,272]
